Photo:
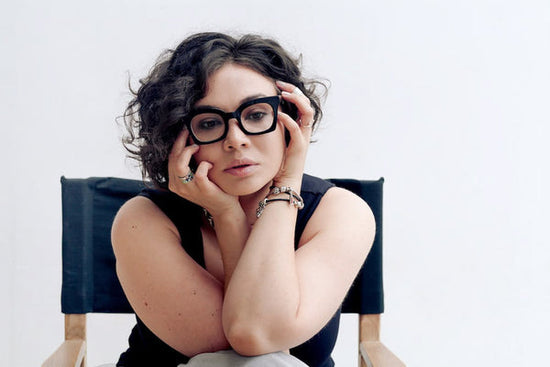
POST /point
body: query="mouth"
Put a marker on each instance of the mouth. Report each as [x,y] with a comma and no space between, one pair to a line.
[242,167]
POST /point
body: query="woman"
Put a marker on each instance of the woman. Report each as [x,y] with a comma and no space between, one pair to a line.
[236,249]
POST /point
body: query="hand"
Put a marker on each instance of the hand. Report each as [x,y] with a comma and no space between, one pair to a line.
[293,164]
[199,189]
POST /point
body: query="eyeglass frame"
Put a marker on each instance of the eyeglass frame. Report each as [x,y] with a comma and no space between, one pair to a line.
[273,101]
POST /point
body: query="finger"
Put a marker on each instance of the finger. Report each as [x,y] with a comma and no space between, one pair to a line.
[187,178]
[294,128]
[181,162]
[201,173]
[305,111]
[179,172]
[180,156]
[294,95]
[298,92]
[180,143]
[287,87]
[292,89]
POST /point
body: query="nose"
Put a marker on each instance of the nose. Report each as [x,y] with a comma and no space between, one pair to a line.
[236,138]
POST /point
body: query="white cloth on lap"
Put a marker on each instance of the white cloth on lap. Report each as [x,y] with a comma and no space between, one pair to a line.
[229,358]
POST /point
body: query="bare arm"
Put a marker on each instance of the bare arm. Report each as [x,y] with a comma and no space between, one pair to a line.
[231,233]
[174,296]
[279,298]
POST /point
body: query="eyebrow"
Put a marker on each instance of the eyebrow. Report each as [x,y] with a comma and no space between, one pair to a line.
[241,102]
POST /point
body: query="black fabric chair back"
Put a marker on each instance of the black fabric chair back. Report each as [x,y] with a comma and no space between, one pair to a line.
[366,295]
[90,283]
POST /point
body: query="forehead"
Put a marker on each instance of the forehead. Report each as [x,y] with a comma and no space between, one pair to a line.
[232,84]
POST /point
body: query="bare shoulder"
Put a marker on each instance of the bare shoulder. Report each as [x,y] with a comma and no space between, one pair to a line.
[346,202]
[342,213]
[142,211]
[137,216]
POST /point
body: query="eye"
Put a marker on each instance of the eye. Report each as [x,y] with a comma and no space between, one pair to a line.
[259,112]
[208,124]
[256,116]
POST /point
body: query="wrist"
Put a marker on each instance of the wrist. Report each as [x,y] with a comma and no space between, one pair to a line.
[223,214]
[227,214]
[280,194]
[294,183]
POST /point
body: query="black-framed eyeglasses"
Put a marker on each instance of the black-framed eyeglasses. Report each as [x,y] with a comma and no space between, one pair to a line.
[209,125]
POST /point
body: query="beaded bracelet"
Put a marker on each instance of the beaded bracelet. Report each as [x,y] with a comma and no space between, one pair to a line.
[275,190]
[293,198]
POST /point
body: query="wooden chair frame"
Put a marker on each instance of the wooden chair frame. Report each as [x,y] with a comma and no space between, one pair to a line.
[372,352]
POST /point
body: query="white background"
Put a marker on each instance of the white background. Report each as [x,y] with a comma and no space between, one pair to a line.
[448,100]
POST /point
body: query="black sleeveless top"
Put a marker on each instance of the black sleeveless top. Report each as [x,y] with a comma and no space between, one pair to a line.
[146,349]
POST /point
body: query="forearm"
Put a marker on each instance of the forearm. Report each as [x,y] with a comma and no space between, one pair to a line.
[263,296]
[232,231]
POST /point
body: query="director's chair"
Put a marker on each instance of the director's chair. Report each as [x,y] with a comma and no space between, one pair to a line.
[90,283]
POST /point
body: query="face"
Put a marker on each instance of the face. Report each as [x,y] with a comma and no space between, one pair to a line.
[242,164]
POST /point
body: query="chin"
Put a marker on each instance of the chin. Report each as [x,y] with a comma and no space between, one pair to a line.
[244,191]
[244,187]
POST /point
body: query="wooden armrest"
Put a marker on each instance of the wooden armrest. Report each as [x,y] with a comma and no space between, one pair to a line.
[375,354]
[70,354]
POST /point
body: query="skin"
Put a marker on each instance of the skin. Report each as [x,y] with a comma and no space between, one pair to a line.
[257,294]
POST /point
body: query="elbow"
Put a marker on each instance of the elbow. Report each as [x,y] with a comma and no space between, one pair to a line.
[246,339]
[255,333]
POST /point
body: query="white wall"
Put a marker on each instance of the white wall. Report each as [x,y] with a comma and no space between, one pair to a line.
[447,100]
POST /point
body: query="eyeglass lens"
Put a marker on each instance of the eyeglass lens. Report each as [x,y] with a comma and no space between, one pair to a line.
[255,119]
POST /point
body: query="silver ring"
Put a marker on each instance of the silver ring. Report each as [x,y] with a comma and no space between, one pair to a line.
[187,178]
[297,91]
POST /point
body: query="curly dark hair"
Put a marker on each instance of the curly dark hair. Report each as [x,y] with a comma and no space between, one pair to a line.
[154,117]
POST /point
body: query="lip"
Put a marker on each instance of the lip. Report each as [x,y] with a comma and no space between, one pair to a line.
[241,167]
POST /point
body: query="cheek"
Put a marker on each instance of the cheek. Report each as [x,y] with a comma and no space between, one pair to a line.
[279,131]
[284,136]
[199,156]
[205,153]
[278,144]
